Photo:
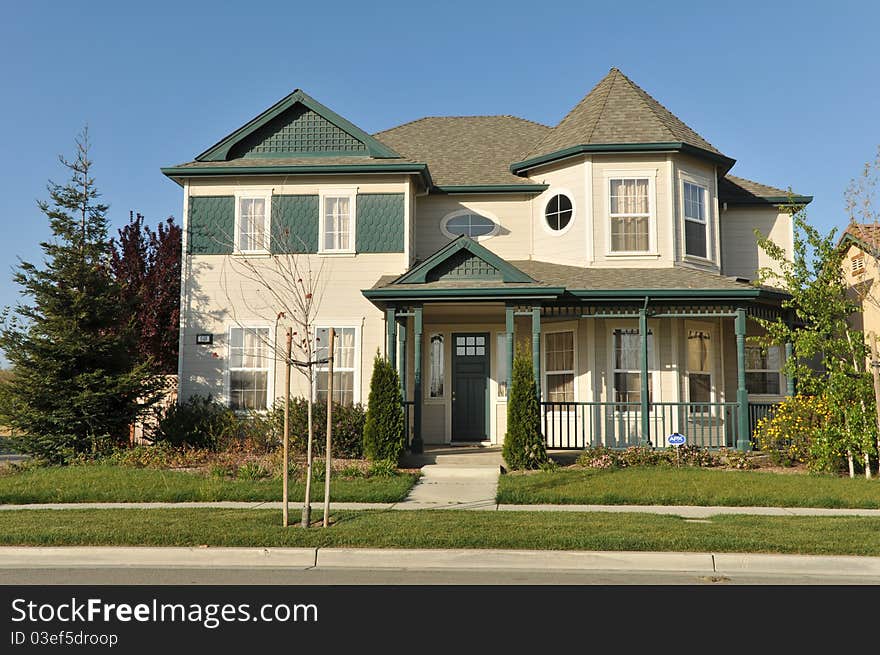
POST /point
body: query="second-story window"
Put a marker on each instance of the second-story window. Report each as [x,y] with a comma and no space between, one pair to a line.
[337,222]
[252,223]
[695,224]
[468,223]
[630,215]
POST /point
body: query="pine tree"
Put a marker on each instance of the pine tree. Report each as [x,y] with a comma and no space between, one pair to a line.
[383,430]
[75,389]
[523,443]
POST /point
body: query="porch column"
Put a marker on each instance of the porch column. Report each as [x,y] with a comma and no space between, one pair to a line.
[643,378]
[508,323]
[416,446]
[789,379]
[742,396]
[401,361]
[536,348]
[390,335]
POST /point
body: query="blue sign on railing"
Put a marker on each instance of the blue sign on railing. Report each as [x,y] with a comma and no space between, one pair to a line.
[676,439]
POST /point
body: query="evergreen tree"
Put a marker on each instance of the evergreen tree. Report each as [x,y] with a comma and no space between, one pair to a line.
[383,430]
[76,389]
[146,265]
[523,443]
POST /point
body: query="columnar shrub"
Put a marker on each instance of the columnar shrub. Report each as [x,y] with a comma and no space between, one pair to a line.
[383,430]
[523,443]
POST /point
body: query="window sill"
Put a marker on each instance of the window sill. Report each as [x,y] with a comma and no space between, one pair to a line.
[633,255]
[696,259]
[336,253]
[257,254]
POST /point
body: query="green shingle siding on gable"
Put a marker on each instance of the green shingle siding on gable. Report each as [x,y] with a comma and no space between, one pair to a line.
[211,225]
[297,131]
[463,265]
[380,222]
[295,224]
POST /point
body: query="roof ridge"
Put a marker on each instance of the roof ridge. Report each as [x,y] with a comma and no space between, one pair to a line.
[425,118]
[604,102]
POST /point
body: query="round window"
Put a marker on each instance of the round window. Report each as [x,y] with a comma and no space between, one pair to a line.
[472,225]
[558,212]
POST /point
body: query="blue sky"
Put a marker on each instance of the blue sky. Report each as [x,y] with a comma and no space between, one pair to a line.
[789,89]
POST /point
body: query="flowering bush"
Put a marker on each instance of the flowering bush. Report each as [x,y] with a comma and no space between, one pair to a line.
[789,432]
[599,457]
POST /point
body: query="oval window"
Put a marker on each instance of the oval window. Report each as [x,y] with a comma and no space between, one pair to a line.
[558,212]
[468,224]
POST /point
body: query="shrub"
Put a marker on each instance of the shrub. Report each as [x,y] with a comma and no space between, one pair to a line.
[787,435]
[736,459]
[523,443]
[383,430]
[348,427]
[382,468]
[692,456]
[600,457]
[251,471]
[199,421]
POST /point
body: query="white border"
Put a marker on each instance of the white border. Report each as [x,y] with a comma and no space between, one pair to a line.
[550,194]
[625,174]
[358,364]
[463,212]
[653,364]
[270,355]
[557,329]
[701,326]
[349,192]
[247,194]
[703,183]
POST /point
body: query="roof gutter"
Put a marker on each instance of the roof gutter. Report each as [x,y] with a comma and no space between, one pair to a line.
[520,167]
[181,172]
[544,293]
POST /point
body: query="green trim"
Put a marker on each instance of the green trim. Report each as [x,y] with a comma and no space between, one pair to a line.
[220,150]
[391,293]
[419,274]
[773,200]
[490,188]
[521,166]
[853,240]
[332,169]
[676,293]
[742,395]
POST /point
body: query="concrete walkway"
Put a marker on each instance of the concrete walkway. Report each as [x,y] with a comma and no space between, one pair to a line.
[454,478]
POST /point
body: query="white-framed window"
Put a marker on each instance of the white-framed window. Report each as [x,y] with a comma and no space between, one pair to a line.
[630,214]
[696,223]
[252,221]
[559,212]
[436,366]
[346,355]
[477,225]
[763,370]
[559,366]
[626,365]
[338,221]
[699,365]
[248,366]
[501,365]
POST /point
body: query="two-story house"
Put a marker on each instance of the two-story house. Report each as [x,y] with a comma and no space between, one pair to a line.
[615,247]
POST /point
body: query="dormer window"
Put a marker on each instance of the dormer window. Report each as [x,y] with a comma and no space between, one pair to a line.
[468,223]
[695,223]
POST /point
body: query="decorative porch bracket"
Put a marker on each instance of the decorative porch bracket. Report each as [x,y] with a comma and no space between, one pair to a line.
[643,377]
[416,446]
[742,396]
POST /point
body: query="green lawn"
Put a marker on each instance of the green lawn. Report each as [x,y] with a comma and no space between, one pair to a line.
[444,529]
[687,486]
[105,483]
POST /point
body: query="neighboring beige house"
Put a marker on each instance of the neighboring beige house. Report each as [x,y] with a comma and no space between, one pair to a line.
[861,273]
[616,245]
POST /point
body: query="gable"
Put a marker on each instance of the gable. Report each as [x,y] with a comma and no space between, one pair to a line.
[297,126]
[296,132]
[463,259]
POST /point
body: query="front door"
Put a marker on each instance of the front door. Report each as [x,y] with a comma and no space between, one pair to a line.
[470,374]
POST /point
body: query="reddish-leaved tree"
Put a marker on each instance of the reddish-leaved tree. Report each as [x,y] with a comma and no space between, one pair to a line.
[146,264]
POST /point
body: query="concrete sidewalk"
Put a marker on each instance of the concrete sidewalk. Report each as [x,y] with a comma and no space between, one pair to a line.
[685,511]
[411,559]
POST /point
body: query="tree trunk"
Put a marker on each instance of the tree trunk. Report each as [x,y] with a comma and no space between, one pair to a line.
[849,460]
[329,427]
[875,370]
[307,504]
[286,459]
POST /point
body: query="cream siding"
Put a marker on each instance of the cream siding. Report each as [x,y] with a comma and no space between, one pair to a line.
[570,245]
[740,254]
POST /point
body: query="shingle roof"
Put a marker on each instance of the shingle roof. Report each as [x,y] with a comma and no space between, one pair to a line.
[466,150]
[738,190]
[618,111]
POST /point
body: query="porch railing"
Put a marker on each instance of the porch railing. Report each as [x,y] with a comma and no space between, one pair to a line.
[757,411]
[619,424]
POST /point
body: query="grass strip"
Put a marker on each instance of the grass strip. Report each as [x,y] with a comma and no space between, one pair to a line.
[444,529]
[105,483]
[687,486]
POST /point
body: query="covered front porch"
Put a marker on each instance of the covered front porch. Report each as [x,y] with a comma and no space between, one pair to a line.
[613,367]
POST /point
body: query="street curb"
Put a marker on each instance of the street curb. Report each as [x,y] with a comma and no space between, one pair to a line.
[377,558]
[797,564]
